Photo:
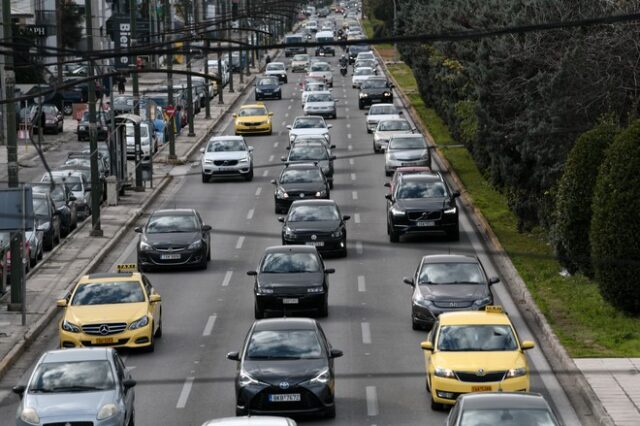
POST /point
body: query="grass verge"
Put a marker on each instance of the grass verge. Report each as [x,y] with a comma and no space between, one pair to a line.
[586,325]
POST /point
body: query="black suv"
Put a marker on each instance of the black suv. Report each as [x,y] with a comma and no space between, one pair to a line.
[268,87]
[316,223]
[375,90]
[421,205]
[445,283]
[291,279]
[297,182]
[102,126]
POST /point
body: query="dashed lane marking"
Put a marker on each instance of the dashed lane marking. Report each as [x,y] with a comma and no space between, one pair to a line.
[362,286]
[258,191]
[356,218]
[240,242]
[227,277]
[184,393]
[354,195]
[366,333]
[353,176]
[250,214]
[359,247]
[372,401]
[208,328]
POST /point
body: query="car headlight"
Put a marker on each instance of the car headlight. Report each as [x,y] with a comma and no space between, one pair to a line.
[337,233]
[281,193]
[391,157]
[482,302]
[395,211]
[516,372]
[264,290]
[144,246]
[70,327]
[386,94]
[243,160]
[29,415]
[245,379]
[107,410]
[452,210]
[322,193]
[258,90]
[426,302]
[83,128]
[195,245]
[283,75]
[322,377]
[207,161]
[288,231]
[364,95]
[443,372]
[139,323]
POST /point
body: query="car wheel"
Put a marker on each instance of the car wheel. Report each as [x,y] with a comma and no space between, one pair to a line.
[435,406]
[249,176]
[394,236]
[331,184]
[204,264]
[257,313]
[159,330]
[330,413]
[205,178]
[375,150]
[280,97]
[388,173]
[240,412]
[455,234]
[324,310]
[369,130]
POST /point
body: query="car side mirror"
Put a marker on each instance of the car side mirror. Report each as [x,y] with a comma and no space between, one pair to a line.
[408,281]
[283,158]
[273,181]
[527,344]
[62,303]
[250,149]
[281,219]
[346,217]
[329,271]
[19,390]
[233,356]
[329,126]
[494,280]
[333,157]
[455,194]
[387,184]
[289,126]
[137,230]
[400,112]
[129,383]
[270,114]
[389,197]
[201,150]
[336,353]
[288,148]
[155,298]
[332,146]
[426,346]
[252,273]
[206,228]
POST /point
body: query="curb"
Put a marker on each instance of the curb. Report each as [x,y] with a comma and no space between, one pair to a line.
[588,406]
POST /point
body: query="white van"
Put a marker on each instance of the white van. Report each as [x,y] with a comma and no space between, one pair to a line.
[325,37]
[311,10]
[213,70]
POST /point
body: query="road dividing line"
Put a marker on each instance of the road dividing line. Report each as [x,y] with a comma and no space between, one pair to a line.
[290,100]
[352,161]
[349,137]
[227,277]
[240,242]
[348,125]
[286,114]
[356,218]
[362,286]
[184,394]
[346,102]
[346,109]
[208,328]
[350,147]
[250,214]
[353,176]
[354,195]
[366,333]
[275,144]
[271,157]
[265,173]
[372,400]
[258,191]
[359,247]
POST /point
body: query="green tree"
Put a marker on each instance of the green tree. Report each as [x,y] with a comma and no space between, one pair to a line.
[575,195]
[615,227]
[72,18]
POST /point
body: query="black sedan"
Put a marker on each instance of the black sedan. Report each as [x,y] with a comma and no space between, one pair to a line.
[47,219]
[291,279]
[268,87]
[65,203]
[102,126]
[174,238]
[316,223]
[285,367]
[375,90]
[445,283]
[299,181]
[422,205]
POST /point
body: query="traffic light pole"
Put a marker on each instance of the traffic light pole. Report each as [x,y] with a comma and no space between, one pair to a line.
[139,187]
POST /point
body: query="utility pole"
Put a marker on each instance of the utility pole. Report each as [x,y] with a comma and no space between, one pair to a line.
[17,245]
[168,17]
[136,99]
[59,38]
[229,44]
[219,14]
[190,30]
[96,188]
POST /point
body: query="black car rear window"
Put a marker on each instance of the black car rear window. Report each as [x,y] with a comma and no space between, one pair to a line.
[282,263]
[284,344]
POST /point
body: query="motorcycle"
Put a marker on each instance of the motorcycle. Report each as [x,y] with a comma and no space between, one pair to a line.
[343,70]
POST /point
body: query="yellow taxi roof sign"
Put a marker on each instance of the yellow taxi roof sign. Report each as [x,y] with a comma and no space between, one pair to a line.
[494,309]
[127,267]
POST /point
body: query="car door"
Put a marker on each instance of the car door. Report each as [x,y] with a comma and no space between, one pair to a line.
[154,309]
[125,396]
[206,235]
[428,354]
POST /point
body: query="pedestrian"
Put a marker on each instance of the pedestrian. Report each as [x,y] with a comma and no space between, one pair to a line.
[121,84]
[267,59]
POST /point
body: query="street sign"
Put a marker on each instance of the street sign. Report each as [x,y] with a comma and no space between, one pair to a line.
[16,209]
[171,110]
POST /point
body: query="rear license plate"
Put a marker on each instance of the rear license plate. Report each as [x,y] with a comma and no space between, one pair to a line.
[104,340]
[288,397]
[480,388]
[315,243]
[290,301]
[426,223]
[170,256]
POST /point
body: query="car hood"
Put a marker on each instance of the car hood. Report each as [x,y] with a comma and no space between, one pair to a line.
[303,279]
[362,77]
[454,291]
[252,118]
[95,314]
[379,117]
[473,361]
[228,155]
[408,154]
[294,372]
[53,405]
[320,104]
[314,226]
[320,131]
[171,239]
[306,187]
[387,134]
[421,204]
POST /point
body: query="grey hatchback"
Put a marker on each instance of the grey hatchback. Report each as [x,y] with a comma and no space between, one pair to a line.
[78,386]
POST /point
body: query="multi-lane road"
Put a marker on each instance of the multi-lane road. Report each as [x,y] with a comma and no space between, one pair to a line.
[380,379]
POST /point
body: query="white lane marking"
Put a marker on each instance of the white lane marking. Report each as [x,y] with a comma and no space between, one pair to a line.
[348,125]
[284,123]
[208,328]
[362,286]
[354,195]
[356,218]
[184,394]
[346,102]
[286,114]
[275,144]
[289,107]
[271,157]
[265,173]
[349,136]
[348,117]
[290,100]
[372,401]
[346,109]
[227,277]
[351,161]
[366,333]
[240,242]
[258,191]
[250,214]
[353,176]
[359,247]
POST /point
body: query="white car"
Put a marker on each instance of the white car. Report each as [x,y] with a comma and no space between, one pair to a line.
[147,140]
[309,125]
[406,151]
[320,103]
[251,421]
[367,55]
[387,129]
[227,156]
[318,86]
[79,186]
[379,112]
[360,75]
[277,69]
[321,70]
[300,62]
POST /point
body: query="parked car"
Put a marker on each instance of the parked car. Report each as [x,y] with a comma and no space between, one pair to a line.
[65,203]
[51,119]
[102,126]
[79,186]
[47,220]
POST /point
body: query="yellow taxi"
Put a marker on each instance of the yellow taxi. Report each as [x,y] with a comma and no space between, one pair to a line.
[474,351]
[253,119]
[120,309]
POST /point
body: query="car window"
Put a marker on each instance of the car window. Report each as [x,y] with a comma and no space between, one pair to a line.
[363,71]
[374,84]
[301,176]
[320,67]
[267,82]
[383,109]
[393,125]
[226,146]
[407,143]
[274,66]
[421,189]
[301,58]
[313,213]
[309,123]
[451,273]
[476,338]
[506,417]
[283,344]
[144,131]
[166,223]
[319,97]
[40,207]
[247,112]
[73,376]
[108,293]
[279,263]
[306,152]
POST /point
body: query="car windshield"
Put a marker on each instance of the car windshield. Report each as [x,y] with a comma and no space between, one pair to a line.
[393,125]
[309,123]
[366,55]
[226,146]
[167,223]
[301,58]
[283,263]
[83,162]
[357,49]
[506,417]
[275,67]
[476,338]
[374,84]
[451,273]
[72,376]
[284,344]
[268,82]
[320,67]
[108,293]
[40,207]
[247,112]
[57,193]
[314,87]
[306,152]
[320,97]
[383,110]
[363,71]
[407,143]
[301,176]
[143,131]
[421,189]
[74,183]
[313,214]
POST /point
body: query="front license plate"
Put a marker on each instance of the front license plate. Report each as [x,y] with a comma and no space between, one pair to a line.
[290,301]
[480,388]
[287,397]
[170,256]
[315,243]
[104,340]
[426,223]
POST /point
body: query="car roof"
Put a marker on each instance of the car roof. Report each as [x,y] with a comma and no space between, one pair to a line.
[256,105]
[418,177]
[173,212]
[109,276]
[285,324]
[320,92]
[511,400]
[251,421]
[308,143]
[473,317]
[314,203]
[449,258]
[383,105]
[76,354]
[226,138]
[291,249]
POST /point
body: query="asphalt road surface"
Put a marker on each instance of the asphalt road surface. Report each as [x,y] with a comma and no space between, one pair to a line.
[381,379]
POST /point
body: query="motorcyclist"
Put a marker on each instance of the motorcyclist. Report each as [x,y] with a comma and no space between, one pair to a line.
[344,61]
